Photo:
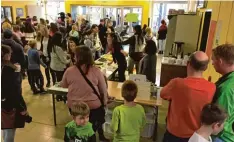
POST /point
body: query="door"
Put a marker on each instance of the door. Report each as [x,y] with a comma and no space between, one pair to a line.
[6,11]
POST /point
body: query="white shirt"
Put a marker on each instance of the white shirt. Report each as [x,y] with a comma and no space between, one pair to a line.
[198,138]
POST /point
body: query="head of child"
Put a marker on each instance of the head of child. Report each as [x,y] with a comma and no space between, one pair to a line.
[129,91]
[74,28]
[32,43]
[213,116]
[16,28]
[80,112]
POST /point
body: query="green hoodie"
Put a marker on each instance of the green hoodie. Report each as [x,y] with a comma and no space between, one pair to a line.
[224,96]
[75,133]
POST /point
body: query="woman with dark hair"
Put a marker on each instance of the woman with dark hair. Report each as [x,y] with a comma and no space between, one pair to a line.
[72,44]
[80,90]
[137,43]
[148,62]
[118,54]
[12,100]
[162,34]
[29,30]
[144,29]
[59,57]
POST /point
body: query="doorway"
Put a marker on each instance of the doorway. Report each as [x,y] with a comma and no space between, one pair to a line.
[6,11]
[205,30]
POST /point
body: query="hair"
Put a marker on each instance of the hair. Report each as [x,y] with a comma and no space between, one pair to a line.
[140,37]
[74,27]
[57,39]
[94,26]
[75,40]
[35,18]
[28,26]
[42,21]
[16,28]
[84,56]
[129,90]
[212,113]
[150,47]
[196,64]
[6,26]
[163,22]
[39,36]
[144,26]
[225,52]
[47,21]
[69,14]
[148,31]
[80,108]
[32,43]
[53,27]
[102,20]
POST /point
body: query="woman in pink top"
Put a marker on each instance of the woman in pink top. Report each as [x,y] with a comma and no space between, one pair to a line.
[79,89]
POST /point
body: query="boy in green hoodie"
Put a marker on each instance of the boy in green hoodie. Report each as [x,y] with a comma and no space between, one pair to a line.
[80,129]
[129,118]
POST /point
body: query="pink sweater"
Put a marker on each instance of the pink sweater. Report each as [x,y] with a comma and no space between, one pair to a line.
[79,90]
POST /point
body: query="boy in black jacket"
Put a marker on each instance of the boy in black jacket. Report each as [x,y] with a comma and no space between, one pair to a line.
[80,129]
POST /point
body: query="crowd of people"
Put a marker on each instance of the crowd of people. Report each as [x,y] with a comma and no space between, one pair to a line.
[67,51]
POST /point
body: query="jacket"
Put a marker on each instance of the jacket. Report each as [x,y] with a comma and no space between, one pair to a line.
[148,67]
[162,32]
[11,91]
[224,96]
[17,55]
[58,59]
[34,60]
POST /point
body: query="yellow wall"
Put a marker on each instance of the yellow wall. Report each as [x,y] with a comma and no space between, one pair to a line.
[223,12]
[141,3]
[18,4]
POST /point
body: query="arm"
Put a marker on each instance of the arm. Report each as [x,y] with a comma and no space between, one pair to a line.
[62,55]
[115,120]
[64,82]
[102,86]
[167,91]
[21,57]
[143,119]
[129,41]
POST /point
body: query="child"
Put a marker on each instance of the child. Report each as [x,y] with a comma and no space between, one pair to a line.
[129,118]
[34,62]
[212,122]
[73,32]
[80,129]
[17,32]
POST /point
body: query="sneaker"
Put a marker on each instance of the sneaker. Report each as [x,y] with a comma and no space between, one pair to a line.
[43,91]
[48,85]
[36,91]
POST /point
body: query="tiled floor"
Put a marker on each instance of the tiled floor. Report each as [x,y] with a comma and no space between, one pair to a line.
[42,128]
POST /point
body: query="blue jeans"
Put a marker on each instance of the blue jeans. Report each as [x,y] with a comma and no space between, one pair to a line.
[217,140]
[9,135]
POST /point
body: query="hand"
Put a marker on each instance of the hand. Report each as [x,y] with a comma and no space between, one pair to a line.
[17,67]
[47,59]
[123,52]
[24,112]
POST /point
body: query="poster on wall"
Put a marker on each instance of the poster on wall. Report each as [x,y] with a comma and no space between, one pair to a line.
[211,38]
[19,12]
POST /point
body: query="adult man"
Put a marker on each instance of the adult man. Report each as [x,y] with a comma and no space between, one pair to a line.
[223,62]
[187,97]
[102,34]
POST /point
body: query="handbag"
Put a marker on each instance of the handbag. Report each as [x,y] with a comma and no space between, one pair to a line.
[8,119]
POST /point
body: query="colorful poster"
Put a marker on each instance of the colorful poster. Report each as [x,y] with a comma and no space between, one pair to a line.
[211,38]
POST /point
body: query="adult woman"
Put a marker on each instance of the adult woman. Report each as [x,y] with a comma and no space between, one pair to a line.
[118,54]
[11,95]
[149,35]
[29,31]
[73,43]
[162,34]
[80,90]
[148,62]
[59,57]
[136,47]
[42,28]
